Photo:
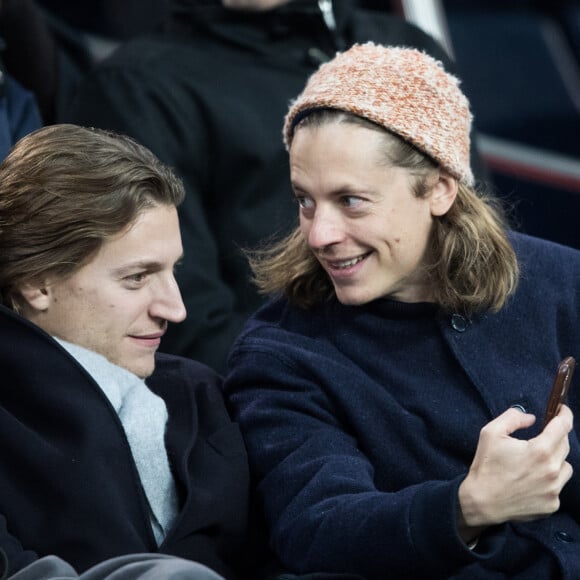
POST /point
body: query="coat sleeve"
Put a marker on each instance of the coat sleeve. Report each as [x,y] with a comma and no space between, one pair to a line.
[13,556]
[323,508]
[131,101]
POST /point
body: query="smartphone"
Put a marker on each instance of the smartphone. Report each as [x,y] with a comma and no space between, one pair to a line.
[559,388]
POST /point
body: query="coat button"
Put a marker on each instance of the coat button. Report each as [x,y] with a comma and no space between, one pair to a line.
[459,322]
[564,537]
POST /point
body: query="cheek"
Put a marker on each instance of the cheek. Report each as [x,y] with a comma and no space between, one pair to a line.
[75,293]
[304,226]
[415,226]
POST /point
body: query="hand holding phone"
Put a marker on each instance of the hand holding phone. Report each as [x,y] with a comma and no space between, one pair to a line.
[559,388]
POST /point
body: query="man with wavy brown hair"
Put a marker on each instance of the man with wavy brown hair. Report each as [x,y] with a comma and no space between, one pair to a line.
[109,449]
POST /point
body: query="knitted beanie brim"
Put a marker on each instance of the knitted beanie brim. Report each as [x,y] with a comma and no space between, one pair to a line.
[402,89]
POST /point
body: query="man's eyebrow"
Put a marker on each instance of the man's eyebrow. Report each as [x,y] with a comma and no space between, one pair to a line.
[346,189]
[148,265]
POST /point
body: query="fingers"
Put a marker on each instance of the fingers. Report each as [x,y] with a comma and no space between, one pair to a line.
[556,477]
[551,447]
[566,474]
[564,420]
[516,479]
[508,422]
[557,429]
[513,419]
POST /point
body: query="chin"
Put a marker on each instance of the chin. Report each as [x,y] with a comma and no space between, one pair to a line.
[143,369]
[143,373]
[351,299]
[140,362]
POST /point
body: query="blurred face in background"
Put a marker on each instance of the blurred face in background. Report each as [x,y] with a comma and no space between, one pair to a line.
[256,5]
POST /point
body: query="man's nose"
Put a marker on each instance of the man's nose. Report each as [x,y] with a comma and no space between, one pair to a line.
[168,303]
[324,229]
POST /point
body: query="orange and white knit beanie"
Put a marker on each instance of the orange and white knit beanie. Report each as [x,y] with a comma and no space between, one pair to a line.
[403,89]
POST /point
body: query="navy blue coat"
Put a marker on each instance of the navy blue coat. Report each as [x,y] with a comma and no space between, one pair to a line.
[69,483]
[19,113]
[360,476]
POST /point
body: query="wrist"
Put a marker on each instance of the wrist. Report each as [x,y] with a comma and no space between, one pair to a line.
[470,519]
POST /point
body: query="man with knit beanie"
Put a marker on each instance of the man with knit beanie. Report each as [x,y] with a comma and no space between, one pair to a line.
[206,97]
[391,393]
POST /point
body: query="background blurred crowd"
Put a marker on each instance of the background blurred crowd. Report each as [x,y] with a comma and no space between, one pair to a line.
[97,63]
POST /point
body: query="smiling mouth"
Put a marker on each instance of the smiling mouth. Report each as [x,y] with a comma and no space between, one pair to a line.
[151,341]
[345,264]
[153,335]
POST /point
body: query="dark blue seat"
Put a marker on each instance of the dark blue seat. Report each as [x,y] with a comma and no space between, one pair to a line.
[521,75]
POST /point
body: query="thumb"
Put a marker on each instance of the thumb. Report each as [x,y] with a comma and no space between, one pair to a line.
[511,421]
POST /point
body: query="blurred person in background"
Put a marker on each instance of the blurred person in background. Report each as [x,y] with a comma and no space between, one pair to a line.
[206,97]
[19,113]
[52,44]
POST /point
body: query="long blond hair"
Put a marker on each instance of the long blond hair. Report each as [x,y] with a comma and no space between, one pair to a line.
[471,263]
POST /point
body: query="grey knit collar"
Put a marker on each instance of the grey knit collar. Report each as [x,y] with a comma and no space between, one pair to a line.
[143,415]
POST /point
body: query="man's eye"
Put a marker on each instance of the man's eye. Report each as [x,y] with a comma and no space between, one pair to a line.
[350,200]
[304,202]
[138,277]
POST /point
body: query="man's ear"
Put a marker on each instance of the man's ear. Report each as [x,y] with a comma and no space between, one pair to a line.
[36,295]
[443,193]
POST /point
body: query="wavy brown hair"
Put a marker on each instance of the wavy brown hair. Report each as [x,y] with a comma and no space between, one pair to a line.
[471,263]
[64,189]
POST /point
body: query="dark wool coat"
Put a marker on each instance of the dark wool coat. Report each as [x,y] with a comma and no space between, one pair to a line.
[360,431]
[209,99]
[69,483]
[18,112]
